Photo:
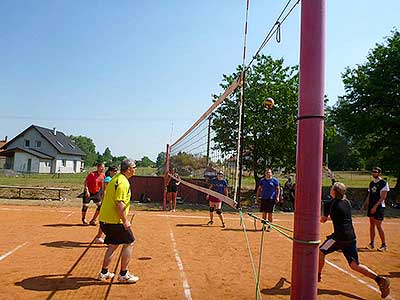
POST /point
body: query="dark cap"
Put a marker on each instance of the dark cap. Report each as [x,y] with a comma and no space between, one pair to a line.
[379,170]
[112,169]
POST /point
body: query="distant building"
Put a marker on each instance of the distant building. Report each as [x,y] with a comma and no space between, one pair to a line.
[42,150]
[2,158]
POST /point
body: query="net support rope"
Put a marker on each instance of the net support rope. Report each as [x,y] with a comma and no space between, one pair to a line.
[281,229]
[258,294]
[222,197]
[278,228]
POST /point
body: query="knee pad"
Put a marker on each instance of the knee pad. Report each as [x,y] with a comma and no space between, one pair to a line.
[211,209]
[84,208]
[219,211]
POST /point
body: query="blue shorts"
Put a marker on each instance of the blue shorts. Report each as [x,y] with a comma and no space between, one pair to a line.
[349,249]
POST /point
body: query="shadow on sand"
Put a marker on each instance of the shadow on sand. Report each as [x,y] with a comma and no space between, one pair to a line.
[72,244]
[279,289]
[58,282]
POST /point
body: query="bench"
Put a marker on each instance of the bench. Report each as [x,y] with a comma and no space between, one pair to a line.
[44,188]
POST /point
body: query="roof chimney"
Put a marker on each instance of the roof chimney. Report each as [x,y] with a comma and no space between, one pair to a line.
[5,139]
[54,131]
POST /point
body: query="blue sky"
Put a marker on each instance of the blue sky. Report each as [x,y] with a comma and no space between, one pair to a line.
[134,75]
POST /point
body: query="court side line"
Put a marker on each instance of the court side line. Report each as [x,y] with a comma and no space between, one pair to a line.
[355,277]
[20,246]
[186,287]
[206,217]
[12,251]
[31,210]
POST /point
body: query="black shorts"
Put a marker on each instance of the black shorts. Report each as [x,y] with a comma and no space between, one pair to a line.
[95,197]
[172,189]
[349,249]
[116,234]
[267,205]
[379,213]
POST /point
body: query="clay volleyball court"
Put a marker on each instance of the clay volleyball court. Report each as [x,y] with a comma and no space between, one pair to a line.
[46,254]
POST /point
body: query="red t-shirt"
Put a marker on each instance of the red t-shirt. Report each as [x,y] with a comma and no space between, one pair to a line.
[94,181]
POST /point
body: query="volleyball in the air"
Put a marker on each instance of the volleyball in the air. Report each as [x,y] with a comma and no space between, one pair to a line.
[269,103]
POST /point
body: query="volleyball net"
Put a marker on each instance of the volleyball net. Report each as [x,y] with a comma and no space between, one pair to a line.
[200,153]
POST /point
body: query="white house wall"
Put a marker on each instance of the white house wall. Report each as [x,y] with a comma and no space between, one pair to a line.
[69,167]
[43,168]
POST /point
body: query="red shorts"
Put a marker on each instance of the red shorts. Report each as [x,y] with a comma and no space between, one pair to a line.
[214,199]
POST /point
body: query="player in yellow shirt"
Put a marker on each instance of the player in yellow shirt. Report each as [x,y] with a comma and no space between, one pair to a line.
[115,224]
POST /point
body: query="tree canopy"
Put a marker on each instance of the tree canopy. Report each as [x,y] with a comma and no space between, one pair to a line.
[86,145]
[269,135]
[145,162]
[368,115]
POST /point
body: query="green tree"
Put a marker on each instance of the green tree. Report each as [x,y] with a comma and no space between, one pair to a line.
[339,153]
[86,145]
[116,160]
[107,157]
[269,135]
[160,163]
[145,162]
[368,114]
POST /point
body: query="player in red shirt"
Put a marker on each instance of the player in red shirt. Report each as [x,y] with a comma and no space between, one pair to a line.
[92,191]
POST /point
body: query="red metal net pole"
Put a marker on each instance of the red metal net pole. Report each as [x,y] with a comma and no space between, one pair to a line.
[166,177]
[309,150]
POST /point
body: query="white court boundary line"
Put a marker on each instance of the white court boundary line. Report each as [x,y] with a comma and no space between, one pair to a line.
[353,276]
[206,217]
[12,251]
[356,278]
[186,287]
[20,246]
[32,210]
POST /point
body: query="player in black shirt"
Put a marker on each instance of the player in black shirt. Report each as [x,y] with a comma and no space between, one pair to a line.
[375,201]
[172,189]
[344,238]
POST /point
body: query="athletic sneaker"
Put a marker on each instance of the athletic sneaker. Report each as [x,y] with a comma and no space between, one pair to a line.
[93,222]
[384,286]
[84,221]
[382,248]
[371,246]
[99,241]
[210,222]
[223,225]
[104,277]
[269,228]
[128,278]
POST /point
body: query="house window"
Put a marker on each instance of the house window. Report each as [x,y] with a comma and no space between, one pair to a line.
[47,163]
[60,144]
[38,144]
[27,143]
[64,162]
